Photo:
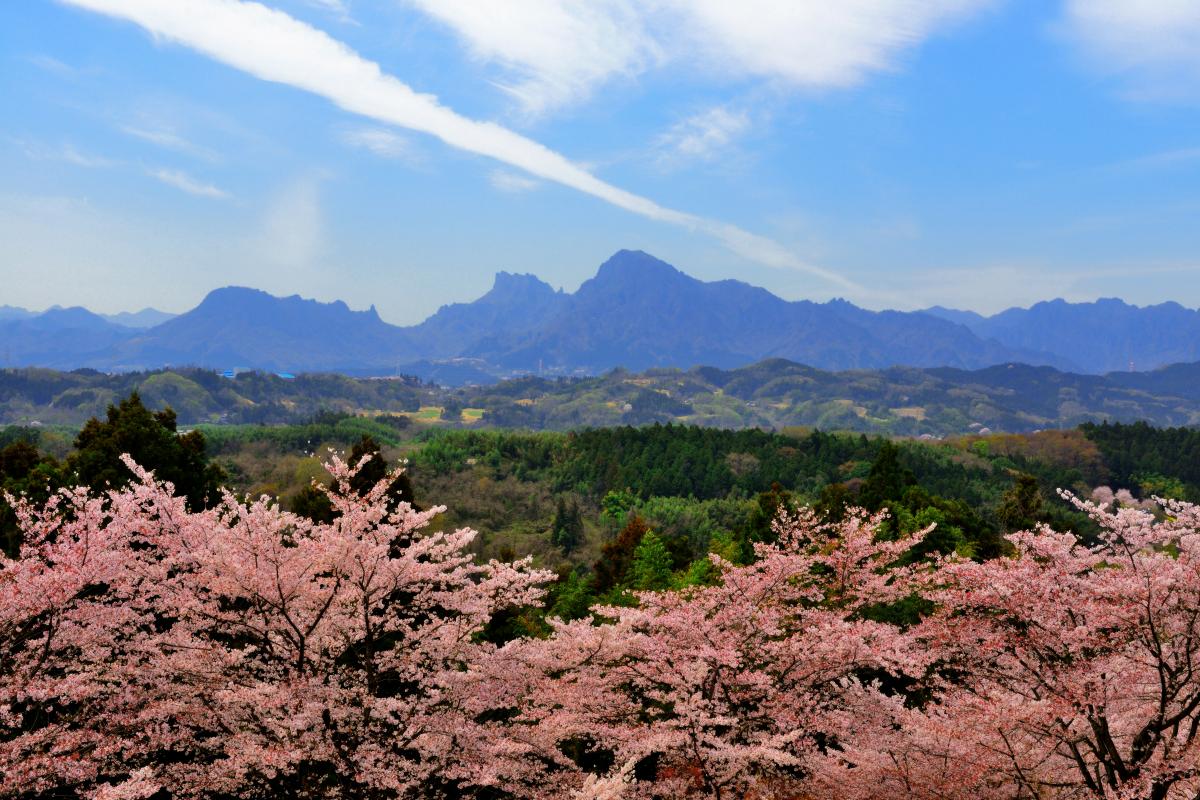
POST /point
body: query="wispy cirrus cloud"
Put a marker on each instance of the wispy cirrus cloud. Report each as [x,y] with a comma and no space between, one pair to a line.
[69,154]
[511,182]
[552,52]
[65,152]
[186,183]
[1152,45]
[52,65]
[383,143]
[338,9]
[702,136]
[169,140]
[276,47]
[556,52]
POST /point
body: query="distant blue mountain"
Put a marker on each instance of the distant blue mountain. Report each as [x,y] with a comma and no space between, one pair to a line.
[63,338]
[146,318]
[640,312]
[637,312]
[1107,335]
[12,312]
[244,328]
[513,309]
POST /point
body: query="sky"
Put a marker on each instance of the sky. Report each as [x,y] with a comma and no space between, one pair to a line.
[975,154]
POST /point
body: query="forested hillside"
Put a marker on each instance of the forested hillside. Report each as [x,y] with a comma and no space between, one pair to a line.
[771,394]
[196,395]
[564,497]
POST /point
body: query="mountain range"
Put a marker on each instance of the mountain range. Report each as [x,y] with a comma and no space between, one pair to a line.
[637,312]
[146,318]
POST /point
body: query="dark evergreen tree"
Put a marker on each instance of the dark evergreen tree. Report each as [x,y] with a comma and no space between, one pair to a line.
[887,480]
[570,597]
[757,528]
[24,471]
[399,491]
[1021,507]
[566,531]
[313,503]
[153,441]
[651,566]
[611,568]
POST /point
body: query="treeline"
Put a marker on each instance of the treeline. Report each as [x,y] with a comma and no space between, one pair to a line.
[199,395]
[709,463]
[899,401]
[629,509]
[323,428]
[1151,461]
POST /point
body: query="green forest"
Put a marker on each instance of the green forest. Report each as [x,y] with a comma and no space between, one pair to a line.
[618,509]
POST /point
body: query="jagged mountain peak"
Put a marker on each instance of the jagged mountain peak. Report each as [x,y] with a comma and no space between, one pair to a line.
[246,300]
[512,286]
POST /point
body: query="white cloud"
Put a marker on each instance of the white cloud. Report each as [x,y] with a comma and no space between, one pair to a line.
[169,140]
[557,51]
[186,183]
[702,136]
[333,6]
[276,47]
[553,51]
[53,65]
[382,142]
[1154,43]
[815,43]
[64,152]
[510,182]
[338,9]
[69,154]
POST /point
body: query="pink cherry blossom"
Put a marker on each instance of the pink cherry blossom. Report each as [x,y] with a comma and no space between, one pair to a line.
[245,651]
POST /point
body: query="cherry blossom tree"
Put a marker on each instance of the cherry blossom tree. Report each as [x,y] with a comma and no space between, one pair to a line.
[1066,671]
[243,651]
[729,691]
[248,652]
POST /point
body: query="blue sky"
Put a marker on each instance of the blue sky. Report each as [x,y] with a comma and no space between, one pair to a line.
[899,153]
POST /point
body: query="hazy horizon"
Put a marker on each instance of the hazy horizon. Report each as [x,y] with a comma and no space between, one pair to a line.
[467,300]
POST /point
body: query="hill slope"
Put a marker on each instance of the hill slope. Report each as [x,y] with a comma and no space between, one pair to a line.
[775,393]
